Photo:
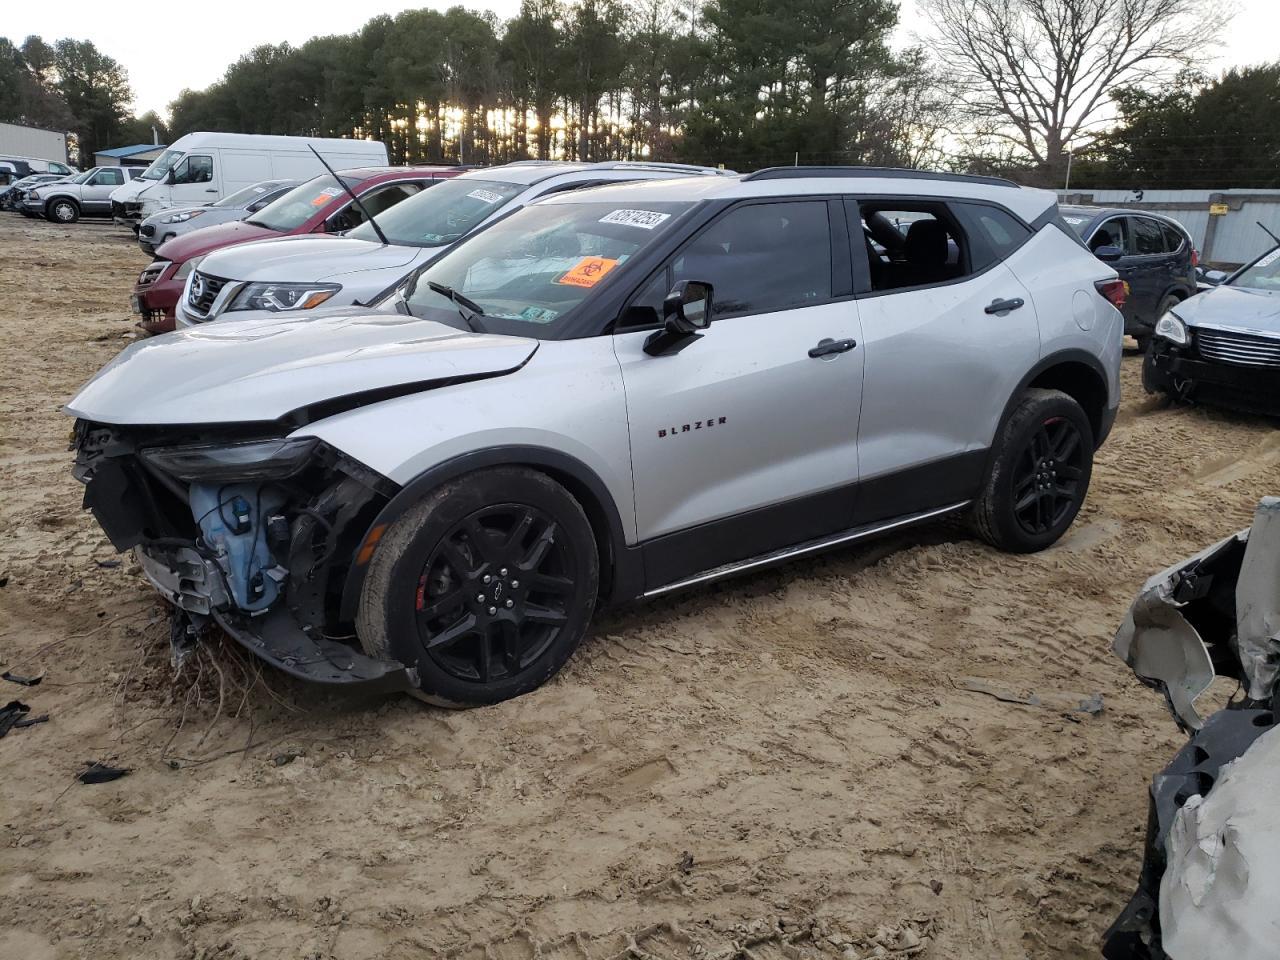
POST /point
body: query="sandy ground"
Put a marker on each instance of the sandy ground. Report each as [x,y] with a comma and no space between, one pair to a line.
[784,762]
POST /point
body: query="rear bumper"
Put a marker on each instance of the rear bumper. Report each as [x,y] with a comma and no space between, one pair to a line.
[1167,369]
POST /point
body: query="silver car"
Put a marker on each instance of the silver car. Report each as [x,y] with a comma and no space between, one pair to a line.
[175,221]
[608,394]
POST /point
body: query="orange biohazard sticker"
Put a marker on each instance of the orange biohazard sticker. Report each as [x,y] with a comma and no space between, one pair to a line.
[587,272]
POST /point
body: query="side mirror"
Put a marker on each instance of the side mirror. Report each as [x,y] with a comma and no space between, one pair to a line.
[1108,253]
[685,311]
[171,178]
[1215,276]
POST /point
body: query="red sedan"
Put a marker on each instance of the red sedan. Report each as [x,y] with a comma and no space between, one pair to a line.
[320,206]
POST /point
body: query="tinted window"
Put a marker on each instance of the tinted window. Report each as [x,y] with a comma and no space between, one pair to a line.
[993,233]
[1148,238]
[911,246]
[1173,239]
[763,257]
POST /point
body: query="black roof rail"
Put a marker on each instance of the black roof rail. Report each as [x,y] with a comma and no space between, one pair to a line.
[809,173]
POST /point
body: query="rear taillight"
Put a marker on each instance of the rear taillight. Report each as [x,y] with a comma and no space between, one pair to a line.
[1195,257]
[1116,292]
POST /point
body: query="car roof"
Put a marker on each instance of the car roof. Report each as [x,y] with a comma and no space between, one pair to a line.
[1027,202]
[528,172]
[1100,213]
[369,173]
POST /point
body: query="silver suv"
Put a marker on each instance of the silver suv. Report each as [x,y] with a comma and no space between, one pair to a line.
[610,394]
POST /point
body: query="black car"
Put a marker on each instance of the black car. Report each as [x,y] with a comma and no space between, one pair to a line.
[1157,258]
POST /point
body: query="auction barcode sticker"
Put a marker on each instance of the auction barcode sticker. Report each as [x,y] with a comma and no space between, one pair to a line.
[644,219]
[485,196]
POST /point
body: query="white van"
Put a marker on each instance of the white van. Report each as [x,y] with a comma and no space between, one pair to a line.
[204,167]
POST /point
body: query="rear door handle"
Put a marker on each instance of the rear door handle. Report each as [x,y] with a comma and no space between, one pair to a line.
[828,347]
[1004,306]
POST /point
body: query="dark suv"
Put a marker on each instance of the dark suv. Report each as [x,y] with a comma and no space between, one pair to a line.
[1157,259]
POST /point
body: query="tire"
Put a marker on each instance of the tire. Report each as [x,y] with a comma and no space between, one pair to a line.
[62,210]
[1040,475]
[510,560]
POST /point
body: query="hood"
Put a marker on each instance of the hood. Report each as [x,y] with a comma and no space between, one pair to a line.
[261,370]
[307,259]
[1233,308]
[170,211]
[129,191]
[203,240]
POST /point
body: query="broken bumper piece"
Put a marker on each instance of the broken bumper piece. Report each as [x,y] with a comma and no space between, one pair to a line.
[196,587]
[1211,869]
[277,639]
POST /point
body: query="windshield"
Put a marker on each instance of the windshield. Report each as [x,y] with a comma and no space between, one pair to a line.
[1078,222]
[1262,274]
[242,198]
[532,268]
[301,203]
[82,177]
[160,165]
[442,215]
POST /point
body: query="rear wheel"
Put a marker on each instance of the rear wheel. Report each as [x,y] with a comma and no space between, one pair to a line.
[63,210]
[486,587]
[1038,481]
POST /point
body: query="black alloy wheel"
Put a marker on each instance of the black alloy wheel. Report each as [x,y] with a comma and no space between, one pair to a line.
[1046,484]
[495,593]
[484,587]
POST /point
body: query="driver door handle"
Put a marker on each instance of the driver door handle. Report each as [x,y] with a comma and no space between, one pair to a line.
[828,347]
[1004,306]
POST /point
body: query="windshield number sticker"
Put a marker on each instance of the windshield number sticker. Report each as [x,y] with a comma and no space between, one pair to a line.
[1269,259]
[485,196]
[644,219]
[325,195]
[587,272]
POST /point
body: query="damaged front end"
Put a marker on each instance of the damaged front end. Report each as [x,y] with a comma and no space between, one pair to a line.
[1211,868]
[257,533]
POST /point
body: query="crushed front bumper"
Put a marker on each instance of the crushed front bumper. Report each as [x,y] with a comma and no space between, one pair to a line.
[1184,375]
[195,586]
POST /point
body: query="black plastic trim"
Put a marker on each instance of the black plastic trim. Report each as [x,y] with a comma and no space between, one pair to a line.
[621,570]
[896,173]
[925,486]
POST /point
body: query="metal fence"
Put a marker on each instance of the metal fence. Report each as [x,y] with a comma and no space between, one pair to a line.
[1223,223]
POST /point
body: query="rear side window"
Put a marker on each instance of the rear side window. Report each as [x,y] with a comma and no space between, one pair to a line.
[1173,238]
[912,245]
[762,258]
[1113,233]
[1148,238]
[993,233]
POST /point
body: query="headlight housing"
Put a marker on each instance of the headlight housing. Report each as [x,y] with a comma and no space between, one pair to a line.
[183,217]
[273,459]
[278,297]
[33,194]
[1171,328]
[185,269]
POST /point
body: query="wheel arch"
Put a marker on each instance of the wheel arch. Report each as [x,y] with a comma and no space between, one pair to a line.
[621,575]
[1079,375]
[50,201]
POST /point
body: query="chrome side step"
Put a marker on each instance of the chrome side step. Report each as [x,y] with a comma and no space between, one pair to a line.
[803,549]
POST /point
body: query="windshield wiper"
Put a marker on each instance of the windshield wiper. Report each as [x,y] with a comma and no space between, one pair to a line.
[467,308]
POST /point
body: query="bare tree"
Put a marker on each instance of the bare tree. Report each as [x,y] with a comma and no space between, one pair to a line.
[1037,74]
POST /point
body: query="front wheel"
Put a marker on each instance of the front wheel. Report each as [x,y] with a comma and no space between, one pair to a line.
[1040,474]
[64,211]
[486,587]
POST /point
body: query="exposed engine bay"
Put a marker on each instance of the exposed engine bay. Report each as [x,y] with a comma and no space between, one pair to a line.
[259,534]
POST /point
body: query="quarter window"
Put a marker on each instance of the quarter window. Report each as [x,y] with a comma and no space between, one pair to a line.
[1173,240]
[993,233]
[761,258]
